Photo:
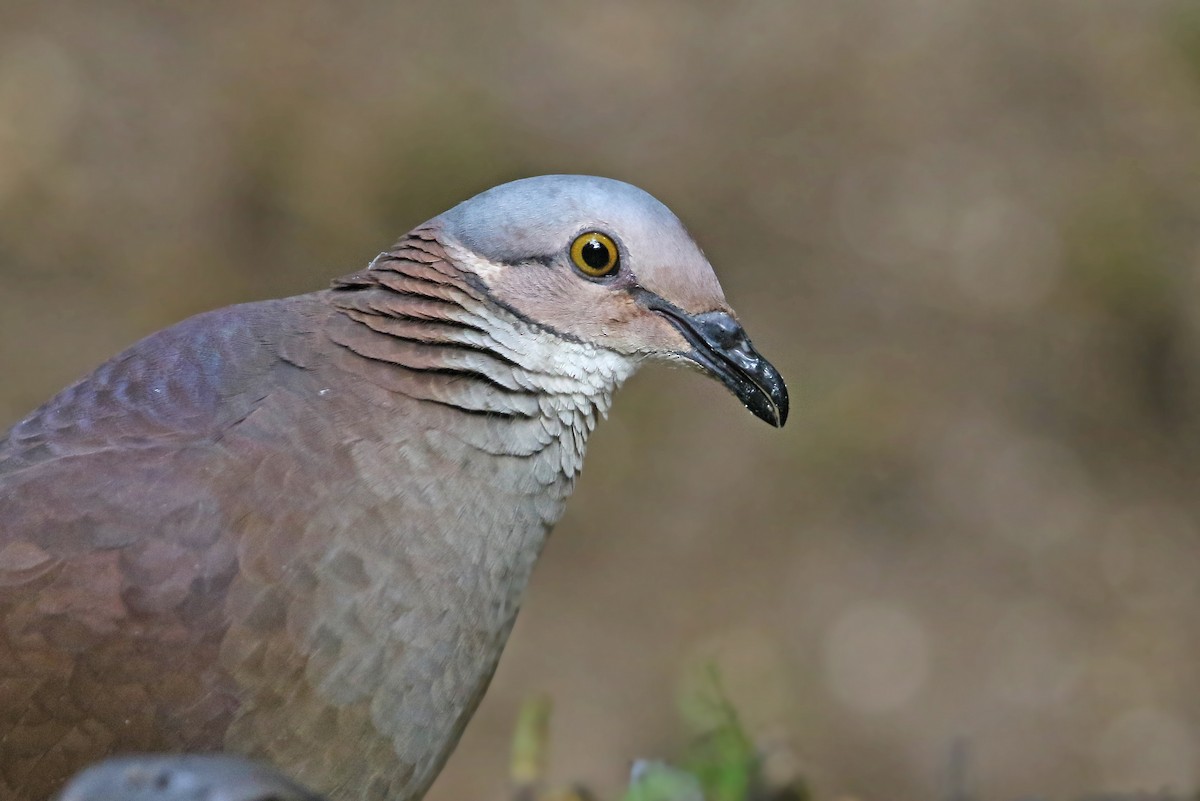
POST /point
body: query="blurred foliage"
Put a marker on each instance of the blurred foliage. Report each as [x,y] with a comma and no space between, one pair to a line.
[658,781]
[530,745]
[1184,30]
[1114,250]
[719,754]
[720,761]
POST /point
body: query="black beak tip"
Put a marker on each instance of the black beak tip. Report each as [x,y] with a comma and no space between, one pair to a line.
[781,410]
[769,403]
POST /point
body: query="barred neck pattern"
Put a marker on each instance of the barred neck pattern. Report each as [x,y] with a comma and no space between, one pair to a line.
[446,341]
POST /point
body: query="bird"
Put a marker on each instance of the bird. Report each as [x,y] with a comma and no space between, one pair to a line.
[299,529]
[185,777]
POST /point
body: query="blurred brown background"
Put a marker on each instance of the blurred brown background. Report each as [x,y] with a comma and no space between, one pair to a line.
[967,231]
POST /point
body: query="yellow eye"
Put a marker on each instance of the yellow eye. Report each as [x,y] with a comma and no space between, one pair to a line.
[595,254]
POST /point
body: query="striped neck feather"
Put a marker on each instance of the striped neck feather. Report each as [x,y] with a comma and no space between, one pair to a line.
[451,343]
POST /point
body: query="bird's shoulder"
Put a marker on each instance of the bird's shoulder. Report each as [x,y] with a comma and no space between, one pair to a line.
[142,443]
[183,384]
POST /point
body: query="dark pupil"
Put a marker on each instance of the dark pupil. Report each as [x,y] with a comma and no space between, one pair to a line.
[595,254]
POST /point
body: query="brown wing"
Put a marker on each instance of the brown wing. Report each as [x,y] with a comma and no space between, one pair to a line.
[115,553]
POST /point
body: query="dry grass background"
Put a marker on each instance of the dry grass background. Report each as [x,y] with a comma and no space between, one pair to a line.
[967,231]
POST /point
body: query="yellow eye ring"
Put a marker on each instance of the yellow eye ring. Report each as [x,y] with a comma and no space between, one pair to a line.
[595,254]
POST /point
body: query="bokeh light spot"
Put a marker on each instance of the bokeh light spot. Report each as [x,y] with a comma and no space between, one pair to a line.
[876,657]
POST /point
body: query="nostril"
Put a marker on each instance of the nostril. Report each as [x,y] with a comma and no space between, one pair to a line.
[721,329]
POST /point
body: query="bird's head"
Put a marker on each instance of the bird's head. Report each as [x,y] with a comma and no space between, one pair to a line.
[604,263]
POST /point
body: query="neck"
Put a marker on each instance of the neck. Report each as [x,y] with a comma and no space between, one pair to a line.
[430,331]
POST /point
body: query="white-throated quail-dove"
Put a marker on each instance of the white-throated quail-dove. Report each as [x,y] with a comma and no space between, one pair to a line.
[299,529]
